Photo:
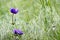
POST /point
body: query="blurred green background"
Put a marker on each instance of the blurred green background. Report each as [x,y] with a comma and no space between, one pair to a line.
[38,19]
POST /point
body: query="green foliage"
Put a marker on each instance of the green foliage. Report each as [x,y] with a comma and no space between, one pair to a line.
[35,18]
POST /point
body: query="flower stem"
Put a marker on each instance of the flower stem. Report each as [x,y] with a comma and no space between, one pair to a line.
[16,38]
[13,19]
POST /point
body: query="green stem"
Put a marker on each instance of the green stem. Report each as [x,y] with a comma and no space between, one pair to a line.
[16,38]
[13,19]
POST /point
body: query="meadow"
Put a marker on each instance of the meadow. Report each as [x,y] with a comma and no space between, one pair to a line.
[38,19]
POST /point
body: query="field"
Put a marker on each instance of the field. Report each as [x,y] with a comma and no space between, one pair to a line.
[38,19]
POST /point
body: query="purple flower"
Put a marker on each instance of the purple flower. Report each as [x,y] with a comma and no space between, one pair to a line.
[14,10]
[17,32]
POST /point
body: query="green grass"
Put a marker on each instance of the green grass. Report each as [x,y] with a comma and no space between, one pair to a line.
[36,18]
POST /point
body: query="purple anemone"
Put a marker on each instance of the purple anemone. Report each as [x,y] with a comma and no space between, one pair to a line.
[17,32]
[14,10]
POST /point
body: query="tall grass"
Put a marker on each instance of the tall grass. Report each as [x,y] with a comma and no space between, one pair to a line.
[38,19]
